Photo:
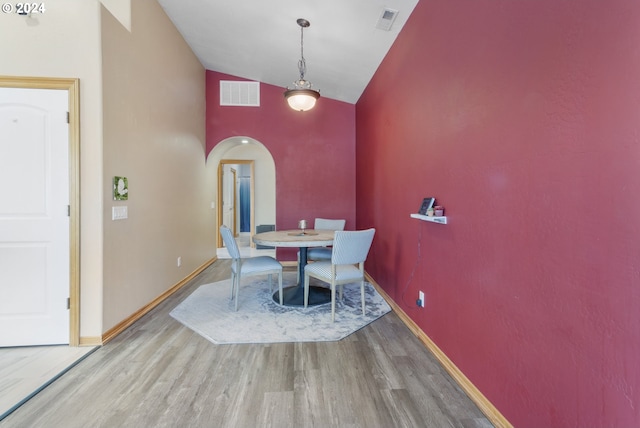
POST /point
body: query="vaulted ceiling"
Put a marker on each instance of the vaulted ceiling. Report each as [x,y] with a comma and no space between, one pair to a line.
[260,40]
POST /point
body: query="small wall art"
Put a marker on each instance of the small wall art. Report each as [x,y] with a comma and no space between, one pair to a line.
[120,189]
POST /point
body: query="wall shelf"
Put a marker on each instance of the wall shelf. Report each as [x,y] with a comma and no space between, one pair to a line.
[441,219]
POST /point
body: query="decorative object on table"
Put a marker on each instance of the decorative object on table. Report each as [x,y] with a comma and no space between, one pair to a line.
[302,97]
[120,189]
[240,268]
[426,204]
[208,312]
[303,233]
[350,248]
[438,210]
[302,225]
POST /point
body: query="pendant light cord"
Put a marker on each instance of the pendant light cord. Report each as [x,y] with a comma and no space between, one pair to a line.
[302,65]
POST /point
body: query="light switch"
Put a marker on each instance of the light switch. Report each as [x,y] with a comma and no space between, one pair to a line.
[119,213]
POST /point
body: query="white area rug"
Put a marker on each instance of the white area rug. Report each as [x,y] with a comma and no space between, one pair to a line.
[210,312]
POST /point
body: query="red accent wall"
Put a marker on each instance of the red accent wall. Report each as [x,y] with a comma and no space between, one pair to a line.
[522,118]
[314,152]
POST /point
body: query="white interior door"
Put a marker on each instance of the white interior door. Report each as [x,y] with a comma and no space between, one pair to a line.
[228,198]
[34,217]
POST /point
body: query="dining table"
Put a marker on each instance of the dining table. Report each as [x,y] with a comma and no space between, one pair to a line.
[302,239]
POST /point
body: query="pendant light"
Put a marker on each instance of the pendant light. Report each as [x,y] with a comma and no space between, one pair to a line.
[302,97]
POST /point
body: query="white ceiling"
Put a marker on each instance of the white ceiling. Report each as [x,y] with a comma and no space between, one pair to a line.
[260,39]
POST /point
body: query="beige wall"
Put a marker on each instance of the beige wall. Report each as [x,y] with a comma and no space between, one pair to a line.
[65,42]
[154,134]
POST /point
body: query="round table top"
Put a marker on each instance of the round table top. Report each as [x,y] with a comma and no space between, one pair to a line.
[295,238]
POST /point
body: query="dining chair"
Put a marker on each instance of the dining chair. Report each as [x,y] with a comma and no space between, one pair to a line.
[350,250]
[323,253]
[262,265]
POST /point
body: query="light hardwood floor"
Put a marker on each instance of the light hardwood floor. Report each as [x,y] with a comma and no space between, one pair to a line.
[26,370]
[159,373]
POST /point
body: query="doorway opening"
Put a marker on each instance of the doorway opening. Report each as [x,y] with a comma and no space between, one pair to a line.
[71,86]
[36,364]
[245,197]
[236,197]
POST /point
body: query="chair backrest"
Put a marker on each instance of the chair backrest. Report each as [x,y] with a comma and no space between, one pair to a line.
[229,242]
[352,246]
[328,224]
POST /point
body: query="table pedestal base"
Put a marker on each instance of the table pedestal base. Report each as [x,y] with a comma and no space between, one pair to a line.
[294,296]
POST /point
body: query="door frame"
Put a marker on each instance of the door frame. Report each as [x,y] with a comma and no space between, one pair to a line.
[251,164]
[234,215]
[72,86]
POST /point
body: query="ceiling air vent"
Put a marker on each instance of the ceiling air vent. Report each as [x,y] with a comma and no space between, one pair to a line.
[236,93]
[385,21]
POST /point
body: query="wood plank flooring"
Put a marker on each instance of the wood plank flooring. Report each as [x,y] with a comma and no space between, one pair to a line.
[159,373]
[25,370]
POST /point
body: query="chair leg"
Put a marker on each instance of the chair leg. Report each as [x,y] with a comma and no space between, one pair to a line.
[362,295]
[233,284]
[280,287]
[306,290]
[237,291]
[333,301]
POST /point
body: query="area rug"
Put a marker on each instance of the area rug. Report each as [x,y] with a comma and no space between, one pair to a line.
[210,312]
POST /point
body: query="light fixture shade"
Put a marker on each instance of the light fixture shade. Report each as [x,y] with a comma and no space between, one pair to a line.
[301,99]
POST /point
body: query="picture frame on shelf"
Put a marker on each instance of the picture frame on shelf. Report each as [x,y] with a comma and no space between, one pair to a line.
[426,204]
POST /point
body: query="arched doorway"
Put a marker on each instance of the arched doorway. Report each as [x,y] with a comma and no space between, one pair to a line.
[236,196]
[246,154]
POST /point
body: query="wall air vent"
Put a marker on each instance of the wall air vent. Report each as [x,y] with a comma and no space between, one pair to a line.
[237,93]
[387,16]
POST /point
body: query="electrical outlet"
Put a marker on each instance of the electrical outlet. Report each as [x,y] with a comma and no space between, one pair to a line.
[179,262]
[421,299]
